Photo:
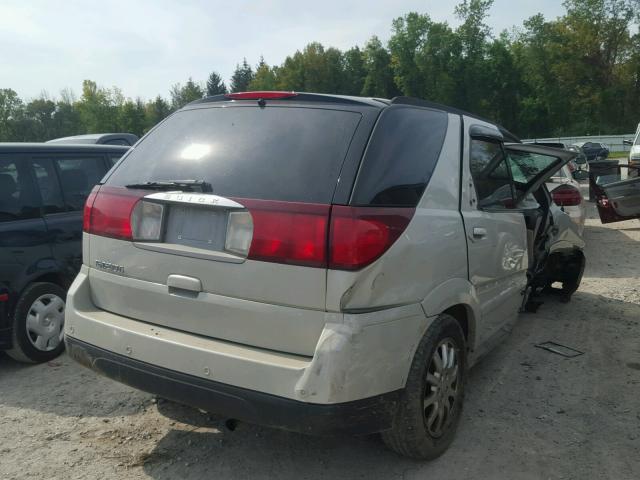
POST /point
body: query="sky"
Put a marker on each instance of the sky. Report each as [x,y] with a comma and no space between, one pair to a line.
[145,46]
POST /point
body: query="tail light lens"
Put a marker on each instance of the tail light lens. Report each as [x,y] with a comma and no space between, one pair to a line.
[88,208]
[338,237]
[360,235]
[239,233]
[108,210]
[566,196]
[288,232]
[146,221]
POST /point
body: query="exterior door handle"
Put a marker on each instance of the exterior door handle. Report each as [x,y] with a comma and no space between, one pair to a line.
[479,232]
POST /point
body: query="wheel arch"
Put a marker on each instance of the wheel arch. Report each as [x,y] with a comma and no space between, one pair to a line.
[456,297]
[53,276]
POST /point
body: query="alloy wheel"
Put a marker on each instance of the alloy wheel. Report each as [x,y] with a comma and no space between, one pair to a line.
[442,388]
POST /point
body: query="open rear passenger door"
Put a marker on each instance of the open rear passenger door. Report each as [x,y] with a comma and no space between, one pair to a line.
[617,192]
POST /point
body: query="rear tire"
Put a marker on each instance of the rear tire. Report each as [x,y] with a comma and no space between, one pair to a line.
[574,269]
[38,323]
[429,390]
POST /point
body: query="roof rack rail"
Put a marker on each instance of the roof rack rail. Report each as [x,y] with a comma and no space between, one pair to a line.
[510,137]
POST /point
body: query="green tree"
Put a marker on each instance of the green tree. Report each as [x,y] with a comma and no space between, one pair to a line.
[67,119]
[41,113]
[378,81]
[265,78]
[321,69]
[409,36]
[98,107]
[473,34]
[354,72]
[439,61]
[215,85]
[132,117]
[242,77]
[291,75]
[156,111]
[11,108]
[183,94]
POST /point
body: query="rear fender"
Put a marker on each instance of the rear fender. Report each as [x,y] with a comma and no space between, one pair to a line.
[455,291]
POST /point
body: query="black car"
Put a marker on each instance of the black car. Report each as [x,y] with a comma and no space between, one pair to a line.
[43,188]
[593,150]
[99,139]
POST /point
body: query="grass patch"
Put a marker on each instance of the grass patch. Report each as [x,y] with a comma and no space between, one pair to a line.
[618,154]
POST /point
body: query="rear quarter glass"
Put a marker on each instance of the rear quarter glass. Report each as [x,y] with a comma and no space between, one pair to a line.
[281,153]
[401,156]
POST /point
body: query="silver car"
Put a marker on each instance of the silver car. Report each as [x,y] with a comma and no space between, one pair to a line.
[317,263]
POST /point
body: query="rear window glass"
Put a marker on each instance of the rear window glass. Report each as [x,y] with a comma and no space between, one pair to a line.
[401,157]
[273,153]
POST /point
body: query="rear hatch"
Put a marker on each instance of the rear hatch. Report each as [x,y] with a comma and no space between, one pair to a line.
[216,223]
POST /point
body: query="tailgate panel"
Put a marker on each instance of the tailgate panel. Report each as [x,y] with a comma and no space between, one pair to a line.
[250,303]
[274,327]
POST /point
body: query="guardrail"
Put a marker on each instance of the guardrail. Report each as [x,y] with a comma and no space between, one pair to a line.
[613,141]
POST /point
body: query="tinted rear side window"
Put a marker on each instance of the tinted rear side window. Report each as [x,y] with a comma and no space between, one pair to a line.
[273,153]
[401,157]
[18,198]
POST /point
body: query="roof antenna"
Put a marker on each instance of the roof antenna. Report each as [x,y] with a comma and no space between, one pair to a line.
[261,102]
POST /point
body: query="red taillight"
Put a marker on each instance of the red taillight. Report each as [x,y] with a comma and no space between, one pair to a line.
[259,95]
[4,297]
[337,237]
[88,205]
[108,212]
[360,235]
[288,232]
[566,196]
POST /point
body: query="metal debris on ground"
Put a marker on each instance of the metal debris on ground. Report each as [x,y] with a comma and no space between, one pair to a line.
[559,349]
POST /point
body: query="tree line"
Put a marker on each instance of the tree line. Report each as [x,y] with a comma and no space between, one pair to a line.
[578,74]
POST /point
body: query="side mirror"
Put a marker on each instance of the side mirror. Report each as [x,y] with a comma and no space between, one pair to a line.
[627,142]
[580,175]
[486,133]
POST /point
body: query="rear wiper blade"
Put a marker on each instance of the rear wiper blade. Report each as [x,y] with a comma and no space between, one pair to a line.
[183,185]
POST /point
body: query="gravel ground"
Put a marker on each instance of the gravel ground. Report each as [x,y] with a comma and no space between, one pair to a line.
[529,414]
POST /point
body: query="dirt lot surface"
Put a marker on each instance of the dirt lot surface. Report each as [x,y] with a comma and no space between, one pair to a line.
[529,414]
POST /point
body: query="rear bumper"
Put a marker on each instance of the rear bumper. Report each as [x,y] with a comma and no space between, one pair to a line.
[364,416]
[357,357]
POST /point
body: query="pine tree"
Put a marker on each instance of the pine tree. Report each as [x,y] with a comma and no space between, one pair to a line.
[215,85]
[242,77]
